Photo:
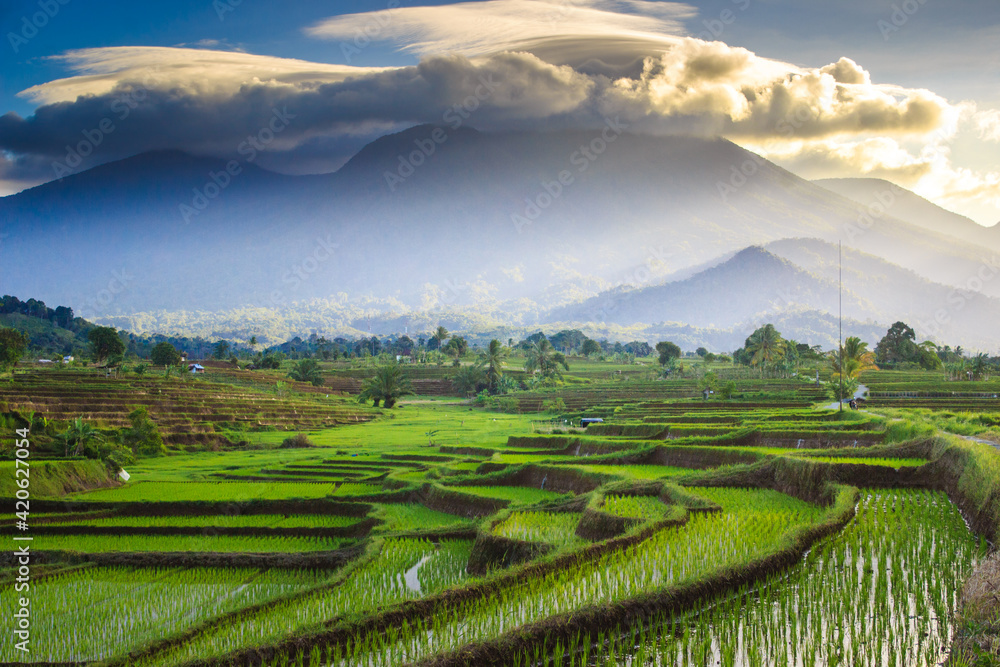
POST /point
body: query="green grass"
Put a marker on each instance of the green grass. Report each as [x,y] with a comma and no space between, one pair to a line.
[891,463]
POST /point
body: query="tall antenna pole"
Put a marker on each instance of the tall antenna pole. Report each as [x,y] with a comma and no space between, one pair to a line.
[840,341]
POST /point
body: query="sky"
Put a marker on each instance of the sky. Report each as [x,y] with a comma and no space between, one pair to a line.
[903,90]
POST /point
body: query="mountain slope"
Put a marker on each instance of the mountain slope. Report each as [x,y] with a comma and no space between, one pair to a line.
[411,225]
[906,205]
[797,281]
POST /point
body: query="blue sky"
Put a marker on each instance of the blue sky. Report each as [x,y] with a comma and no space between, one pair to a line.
[947,48]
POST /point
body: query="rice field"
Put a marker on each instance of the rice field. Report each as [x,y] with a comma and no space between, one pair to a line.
[550,527]
[94,613]
[401,570]
[212,521]
[172,543]
[881,593]
[515,494]
[634,507]
[210,491]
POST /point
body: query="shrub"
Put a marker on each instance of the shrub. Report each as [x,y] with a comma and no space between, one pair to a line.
[297,441]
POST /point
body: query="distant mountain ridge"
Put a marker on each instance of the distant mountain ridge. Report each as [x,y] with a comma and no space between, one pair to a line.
[443,233]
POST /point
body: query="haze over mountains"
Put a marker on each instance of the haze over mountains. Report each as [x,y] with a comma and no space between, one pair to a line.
[528,227]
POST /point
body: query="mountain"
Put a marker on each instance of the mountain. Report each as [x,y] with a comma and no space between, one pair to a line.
[906,205]
[801,277]
[423,220]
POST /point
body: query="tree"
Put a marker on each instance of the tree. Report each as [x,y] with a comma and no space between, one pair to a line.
[165,354]
[457,347]
[79,434]
[470,379]
[440,336]
[701,352]
[221,350]
[765,347]
[493,358]
[387,385]
[13,344]
[590,347]
[143,437]
[667,351]
[897,345]
[307,370]
[852,359]
[104,343]
[543,358]
[140,369]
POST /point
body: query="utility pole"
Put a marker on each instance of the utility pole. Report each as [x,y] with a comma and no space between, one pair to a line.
[840,339]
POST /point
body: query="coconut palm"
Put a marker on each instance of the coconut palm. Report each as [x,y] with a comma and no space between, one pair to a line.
[766,347]
[857,358]
[307,370]
[544,359]
[469,379]
[493,358]
[387,385]
[79,434]
[441,335]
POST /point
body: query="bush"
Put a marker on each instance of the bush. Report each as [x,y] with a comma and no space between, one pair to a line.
[297,441]
[554,405]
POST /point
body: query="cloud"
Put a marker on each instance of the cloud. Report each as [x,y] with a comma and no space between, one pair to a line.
[562,32]
[988,124]
[522,64]
[194,71]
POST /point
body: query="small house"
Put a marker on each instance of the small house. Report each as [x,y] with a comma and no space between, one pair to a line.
[196,368]
[587,421]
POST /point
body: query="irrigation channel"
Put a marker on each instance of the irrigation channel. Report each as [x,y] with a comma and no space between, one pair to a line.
[882,593]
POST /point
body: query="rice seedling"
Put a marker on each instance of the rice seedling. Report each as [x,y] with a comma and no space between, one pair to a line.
[634,507]
[403,569]
[208,542]
[210,491]
[754,524]
[211,521]
[413,517]
[882,593]
[95,613]
[554,528]
[516,494]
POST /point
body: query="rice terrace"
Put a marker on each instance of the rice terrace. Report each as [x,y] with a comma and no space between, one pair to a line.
[757,525]
[500,333]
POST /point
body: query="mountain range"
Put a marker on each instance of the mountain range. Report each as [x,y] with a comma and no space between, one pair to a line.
[529,227]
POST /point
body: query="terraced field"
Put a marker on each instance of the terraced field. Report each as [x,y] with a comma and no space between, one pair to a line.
[678,532]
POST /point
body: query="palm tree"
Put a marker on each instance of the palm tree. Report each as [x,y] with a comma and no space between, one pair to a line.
[307,370]
[387,385]
[857,358]
[441,335]
[544,359]
[766,347]
[469,378]
[493,357]
[79,433]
